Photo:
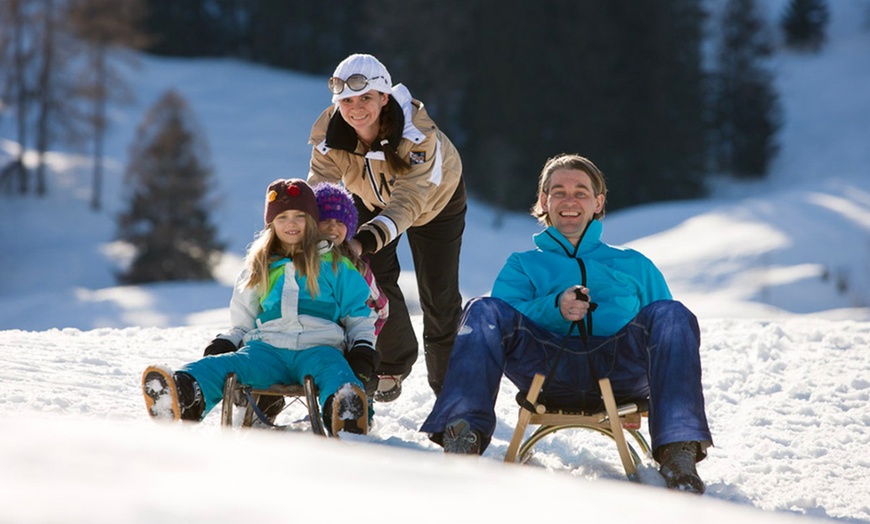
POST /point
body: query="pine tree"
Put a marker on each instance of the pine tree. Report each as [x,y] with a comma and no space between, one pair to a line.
[804,23]
[169,180]
[745,109]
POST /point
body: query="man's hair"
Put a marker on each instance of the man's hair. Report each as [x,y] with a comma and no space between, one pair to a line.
[568,161]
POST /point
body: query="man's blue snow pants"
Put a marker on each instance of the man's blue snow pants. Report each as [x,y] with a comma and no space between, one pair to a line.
[655,355]
[261,365]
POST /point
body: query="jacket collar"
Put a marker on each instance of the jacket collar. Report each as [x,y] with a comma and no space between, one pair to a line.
[551,239]
[339,134]
[407,103]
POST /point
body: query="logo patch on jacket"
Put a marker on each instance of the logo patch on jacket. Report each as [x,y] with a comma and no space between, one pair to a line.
[418,157]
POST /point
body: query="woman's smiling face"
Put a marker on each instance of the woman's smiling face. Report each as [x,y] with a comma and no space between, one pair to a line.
[362,112]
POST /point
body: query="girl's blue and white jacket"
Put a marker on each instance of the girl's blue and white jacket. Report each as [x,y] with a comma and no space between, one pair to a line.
[288,317]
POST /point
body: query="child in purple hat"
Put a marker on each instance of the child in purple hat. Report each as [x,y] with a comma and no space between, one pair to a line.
[338,223]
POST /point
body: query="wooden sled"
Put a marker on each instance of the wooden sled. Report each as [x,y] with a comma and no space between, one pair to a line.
[305,393]
[610,422]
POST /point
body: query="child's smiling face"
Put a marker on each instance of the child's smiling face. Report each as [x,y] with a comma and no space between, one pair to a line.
[333,229]
[290,226]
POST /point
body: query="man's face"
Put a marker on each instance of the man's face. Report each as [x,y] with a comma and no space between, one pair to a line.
[571,202]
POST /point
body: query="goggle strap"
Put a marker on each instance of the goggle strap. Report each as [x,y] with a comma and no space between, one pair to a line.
[355,82]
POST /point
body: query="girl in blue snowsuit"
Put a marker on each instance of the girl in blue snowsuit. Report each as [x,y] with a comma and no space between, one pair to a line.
[297,308]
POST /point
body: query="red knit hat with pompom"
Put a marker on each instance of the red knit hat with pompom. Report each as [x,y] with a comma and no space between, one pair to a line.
[286,194]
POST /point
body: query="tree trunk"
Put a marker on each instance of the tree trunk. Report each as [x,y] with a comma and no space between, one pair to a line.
[45,89]
[99,126]
[22,96]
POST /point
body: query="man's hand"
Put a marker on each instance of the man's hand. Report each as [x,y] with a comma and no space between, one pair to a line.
[574,303]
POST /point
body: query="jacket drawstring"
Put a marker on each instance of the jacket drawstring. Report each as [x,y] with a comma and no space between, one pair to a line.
[584,326]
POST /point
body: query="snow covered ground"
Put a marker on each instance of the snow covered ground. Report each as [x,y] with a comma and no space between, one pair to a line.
[777,272]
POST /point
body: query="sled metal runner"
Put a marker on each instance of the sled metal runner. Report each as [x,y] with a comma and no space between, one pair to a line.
[305,393]
[613,422]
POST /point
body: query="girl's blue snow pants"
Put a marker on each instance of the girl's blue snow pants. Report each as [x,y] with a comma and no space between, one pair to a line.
[261,365]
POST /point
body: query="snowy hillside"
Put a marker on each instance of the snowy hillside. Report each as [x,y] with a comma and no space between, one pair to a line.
[777,272]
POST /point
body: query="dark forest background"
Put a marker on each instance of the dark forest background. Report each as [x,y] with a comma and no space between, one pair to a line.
[514,82]
[661,94]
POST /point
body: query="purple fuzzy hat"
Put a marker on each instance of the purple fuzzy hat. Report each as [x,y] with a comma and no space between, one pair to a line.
[334,201]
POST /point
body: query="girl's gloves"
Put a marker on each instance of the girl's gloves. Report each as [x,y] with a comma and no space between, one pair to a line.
[363,360]
[219,346]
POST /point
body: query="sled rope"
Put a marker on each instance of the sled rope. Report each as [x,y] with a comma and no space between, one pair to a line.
[585,328]
[257,411]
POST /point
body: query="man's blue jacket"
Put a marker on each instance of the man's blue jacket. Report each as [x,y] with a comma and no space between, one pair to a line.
[620,280]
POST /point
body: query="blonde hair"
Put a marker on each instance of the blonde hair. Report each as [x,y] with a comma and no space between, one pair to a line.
[267,248]
[344,250]
[568,161]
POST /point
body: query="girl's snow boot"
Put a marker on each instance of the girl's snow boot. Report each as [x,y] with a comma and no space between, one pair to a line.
[347,411]
[171,396]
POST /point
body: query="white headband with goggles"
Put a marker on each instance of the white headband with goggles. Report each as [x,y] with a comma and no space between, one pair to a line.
[356,82]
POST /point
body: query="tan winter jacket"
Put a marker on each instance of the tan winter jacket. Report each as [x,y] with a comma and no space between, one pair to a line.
[410,199]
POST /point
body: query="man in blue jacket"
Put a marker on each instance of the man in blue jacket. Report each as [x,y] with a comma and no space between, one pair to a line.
[645,342]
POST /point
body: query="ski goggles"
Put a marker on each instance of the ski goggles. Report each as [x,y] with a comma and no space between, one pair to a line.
[355,82]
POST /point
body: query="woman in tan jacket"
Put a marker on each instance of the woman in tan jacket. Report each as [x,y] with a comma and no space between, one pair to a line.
[406,176]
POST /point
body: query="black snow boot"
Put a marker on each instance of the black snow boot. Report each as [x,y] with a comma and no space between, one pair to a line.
[678,467]
[460,438]
[172,396]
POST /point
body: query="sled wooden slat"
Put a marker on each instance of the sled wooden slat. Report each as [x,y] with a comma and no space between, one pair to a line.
[306,393]
[616,427]
[613,422]
[295,390]
[524,418]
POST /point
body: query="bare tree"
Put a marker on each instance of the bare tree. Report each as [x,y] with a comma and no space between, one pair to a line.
[44,81]
[58,116]
[17,59]
[107,27]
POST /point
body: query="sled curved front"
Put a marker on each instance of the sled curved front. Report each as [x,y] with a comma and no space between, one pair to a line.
[545,430]
[613,422]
